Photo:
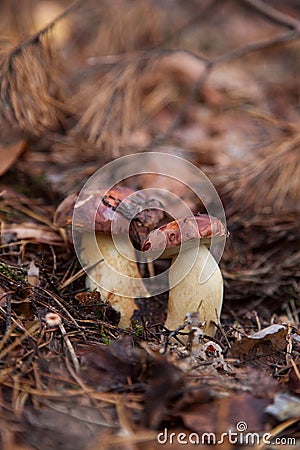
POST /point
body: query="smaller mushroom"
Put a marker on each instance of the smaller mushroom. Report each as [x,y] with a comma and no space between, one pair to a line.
[195,280]
[110,272]
[53,320]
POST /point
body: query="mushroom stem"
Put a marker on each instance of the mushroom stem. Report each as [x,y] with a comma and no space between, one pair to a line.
[190,294]
[112,270]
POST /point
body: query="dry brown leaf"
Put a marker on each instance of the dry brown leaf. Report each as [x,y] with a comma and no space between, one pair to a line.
[108,367]
[29,231]
[10,153]
[285,407]
[8,441]
[263,343]
[166,380]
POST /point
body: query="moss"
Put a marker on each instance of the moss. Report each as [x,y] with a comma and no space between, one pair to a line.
[10,273]
[137,329]
[105,339]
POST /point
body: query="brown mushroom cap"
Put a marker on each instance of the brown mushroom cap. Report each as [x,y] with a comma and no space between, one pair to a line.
[170,237]
[64,213]
[96,210]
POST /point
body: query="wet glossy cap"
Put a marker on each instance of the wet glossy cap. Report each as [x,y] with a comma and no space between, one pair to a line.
[96,210]
[184,232]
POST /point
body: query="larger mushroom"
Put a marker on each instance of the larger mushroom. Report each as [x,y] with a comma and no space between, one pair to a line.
[195,280]
[113,274]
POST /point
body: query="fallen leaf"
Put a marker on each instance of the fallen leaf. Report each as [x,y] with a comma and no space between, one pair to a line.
[109,367]
[29,230]
[261,344]
[285,407]
[10,153]
[164,384]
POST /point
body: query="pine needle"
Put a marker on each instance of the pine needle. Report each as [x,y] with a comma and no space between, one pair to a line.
[270,183]
[114,110]
[30,96]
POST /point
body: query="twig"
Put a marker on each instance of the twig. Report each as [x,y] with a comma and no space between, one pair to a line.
[145,56]
[6,336]
[8,308]
[277,430]
[174,335]
[54,297]
[295,367]
[30,213]
[256,46]
[37,36]
[201,16]
[210,64]
[72,278]
[273,14]
[69,347]
[8,313]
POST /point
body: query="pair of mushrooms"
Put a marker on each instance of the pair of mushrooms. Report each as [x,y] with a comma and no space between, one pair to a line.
[195,278]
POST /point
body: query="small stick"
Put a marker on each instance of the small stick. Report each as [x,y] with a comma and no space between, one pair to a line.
[8,313]
[151,268]
[174,335]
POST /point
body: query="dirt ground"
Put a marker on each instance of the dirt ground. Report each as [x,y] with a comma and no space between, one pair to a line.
[83,84]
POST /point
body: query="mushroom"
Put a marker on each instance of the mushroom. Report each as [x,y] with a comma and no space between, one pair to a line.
[114,275]
[195,280]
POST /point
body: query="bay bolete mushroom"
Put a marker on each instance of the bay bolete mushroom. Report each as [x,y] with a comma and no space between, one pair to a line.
[195,280]
[113,274]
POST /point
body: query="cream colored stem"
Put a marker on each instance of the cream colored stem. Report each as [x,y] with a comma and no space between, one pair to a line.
[116,277]
[191,295]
